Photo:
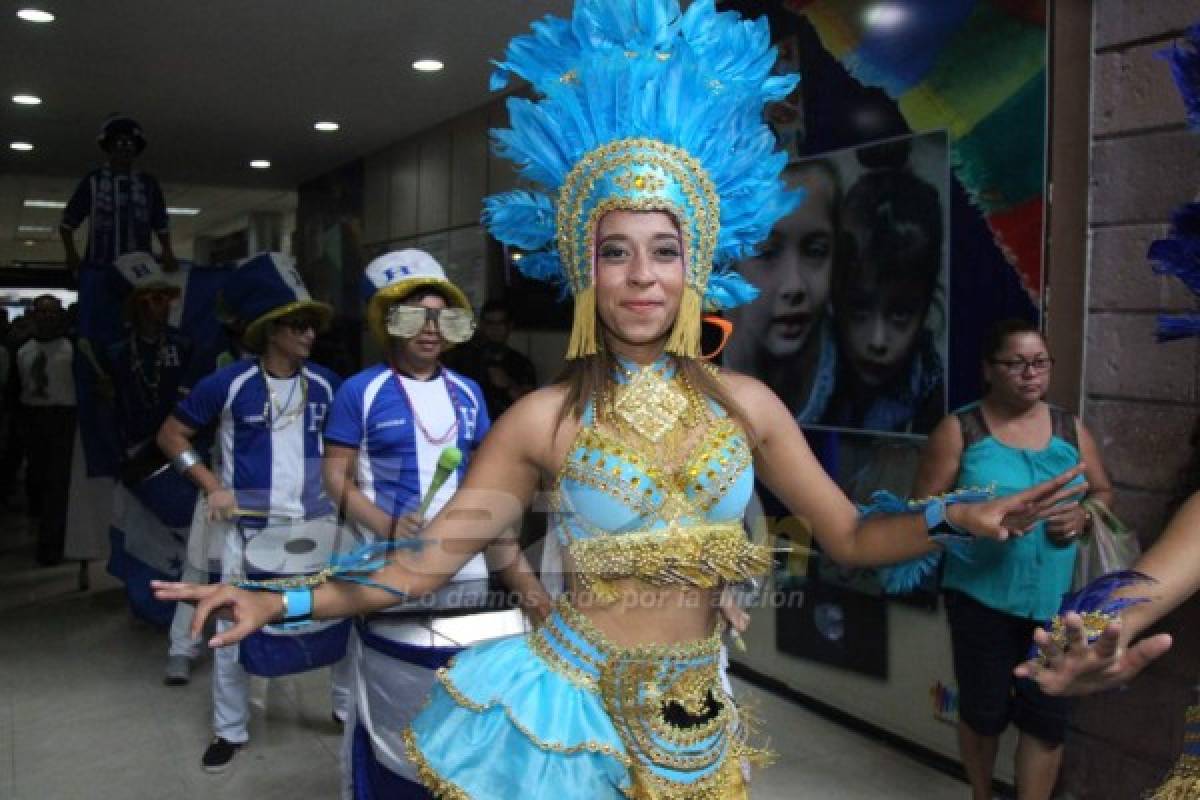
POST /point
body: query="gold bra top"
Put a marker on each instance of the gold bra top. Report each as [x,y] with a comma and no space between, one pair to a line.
[621,512]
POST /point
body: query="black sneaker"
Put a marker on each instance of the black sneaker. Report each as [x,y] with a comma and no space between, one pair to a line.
[218,755]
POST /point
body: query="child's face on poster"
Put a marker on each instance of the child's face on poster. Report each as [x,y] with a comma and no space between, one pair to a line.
[879,324]
[793,270]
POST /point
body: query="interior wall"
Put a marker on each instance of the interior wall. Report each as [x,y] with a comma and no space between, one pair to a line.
[433,184]
[1141,398]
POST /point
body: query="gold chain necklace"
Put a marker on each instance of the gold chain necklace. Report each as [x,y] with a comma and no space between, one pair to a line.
[281,416]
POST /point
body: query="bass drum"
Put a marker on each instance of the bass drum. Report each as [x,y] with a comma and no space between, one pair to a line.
[292,547]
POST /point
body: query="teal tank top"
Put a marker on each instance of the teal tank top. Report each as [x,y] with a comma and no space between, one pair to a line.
[1025,576]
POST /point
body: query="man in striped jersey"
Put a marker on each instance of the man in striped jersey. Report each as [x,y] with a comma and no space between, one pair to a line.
[388,426]
[124,206]
[270,413]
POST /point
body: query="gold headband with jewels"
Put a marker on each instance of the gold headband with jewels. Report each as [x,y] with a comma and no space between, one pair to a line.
[637,175]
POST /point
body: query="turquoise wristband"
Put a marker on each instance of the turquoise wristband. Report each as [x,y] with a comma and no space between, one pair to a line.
[297,605]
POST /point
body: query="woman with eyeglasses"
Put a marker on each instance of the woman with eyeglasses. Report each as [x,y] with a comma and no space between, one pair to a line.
[1010,439]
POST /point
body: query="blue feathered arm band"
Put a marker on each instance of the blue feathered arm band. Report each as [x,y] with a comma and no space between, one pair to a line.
[902,578]
[354,567]
[1096,605]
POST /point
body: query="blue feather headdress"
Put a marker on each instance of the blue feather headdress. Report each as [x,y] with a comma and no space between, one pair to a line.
[1179,253]
[641,107]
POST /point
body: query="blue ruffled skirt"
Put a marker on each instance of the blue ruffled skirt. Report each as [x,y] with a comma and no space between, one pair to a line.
[562,713]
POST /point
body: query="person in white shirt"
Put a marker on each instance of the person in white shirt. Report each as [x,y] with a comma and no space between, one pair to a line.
[47,400]
[387,429]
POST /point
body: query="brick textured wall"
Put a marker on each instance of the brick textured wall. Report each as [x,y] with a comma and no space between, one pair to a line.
[1142,398]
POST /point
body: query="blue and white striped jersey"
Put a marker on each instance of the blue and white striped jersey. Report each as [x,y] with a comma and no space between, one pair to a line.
[270,447]
[123,211]
[397,449]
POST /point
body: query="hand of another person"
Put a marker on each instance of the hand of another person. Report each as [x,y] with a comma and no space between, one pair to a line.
[1016,514]
[1065,523]
[737,618]
[248,610]
[222,503]
[409,525]
[1086,668]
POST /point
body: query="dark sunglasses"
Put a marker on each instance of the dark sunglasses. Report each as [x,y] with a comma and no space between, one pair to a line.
[301,324]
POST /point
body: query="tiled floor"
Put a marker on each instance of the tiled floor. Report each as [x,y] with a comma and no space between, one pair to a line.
[84,714]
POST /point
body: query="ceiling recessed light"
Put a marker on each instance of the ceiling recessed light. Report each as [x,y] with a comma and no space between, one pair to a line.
[183,212]
[34,229]
[30,242]
[35,15]
[45,204]
[22,146]
[326,126]
[885,16]
[260,163]
[427,65]
[27,99]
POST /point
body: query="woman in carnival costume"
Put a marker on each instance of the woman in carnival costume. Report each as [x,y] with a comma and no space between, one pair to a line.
[649,137]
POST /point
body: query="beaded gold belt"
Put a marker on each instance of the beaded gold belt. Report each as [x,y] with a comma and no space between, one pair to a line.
[682,733]
[701,556]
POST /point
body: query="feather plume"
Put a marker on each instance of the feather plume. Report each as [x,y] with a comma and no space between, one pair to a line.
[626,69]
[1185,68]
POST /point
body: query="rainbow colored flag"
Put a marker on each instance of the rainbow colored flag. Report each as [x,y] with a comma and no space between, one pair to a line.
[976,68]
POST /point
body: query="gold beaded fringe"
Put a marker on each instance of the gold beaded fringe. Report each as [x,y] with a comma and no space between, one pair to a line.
[1183,783]
[583,327]
[685,336]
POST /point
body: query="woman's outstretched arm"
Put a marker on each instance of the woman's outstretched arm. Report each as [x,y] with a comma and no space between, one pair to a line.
[787,466]
[1113,659]
[498,485]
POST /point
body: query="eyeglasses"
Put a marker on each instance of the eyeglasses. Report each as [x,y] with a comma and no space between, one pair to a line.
[1017,366]
[158,295]
[725,327]
[455,324]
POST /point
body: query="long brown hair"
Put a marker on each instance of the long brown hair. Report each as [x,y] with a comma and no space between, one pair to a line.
[587,378]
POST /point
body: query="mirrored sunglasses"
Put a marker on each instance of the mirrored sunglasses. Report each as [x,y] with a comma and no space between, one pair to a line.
[456,325]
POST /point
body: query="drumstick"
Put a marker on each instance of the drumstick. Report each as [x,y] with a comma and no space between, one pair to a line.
[448,461]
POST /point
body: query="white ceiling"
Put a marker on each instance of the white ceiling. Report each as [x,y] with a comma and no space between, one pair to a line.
[217,83]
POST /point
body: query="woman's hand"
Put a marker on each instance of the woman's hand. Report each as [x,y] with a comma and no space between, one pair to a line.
[222,504]
[737,618]
[1016,514]
[248,610]
[408,525]
[1086,668]
[1065,523]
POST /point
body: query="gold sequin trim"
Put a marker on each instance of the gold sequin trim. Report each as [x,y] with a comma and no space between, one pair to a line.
[442,788]
[703,215]
[551,747]
[700,556]
[545,650]
[1183,783]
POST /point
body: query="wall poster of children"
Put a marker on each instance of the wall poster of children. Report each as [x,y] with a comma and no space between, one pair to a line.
[850,325]
[923,172]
